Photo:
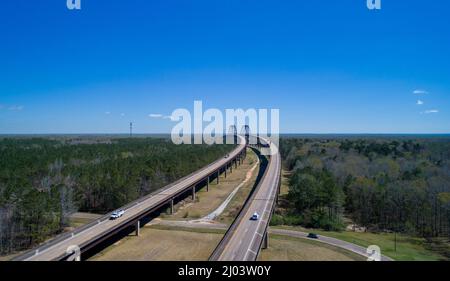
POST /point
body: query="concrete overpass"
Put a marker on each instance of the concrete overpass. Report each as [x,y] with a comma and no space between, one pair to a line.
[88,236]
[245,238]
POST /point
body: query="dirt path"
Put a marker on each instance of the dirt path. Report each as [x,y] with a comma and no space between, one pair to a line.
[217,212]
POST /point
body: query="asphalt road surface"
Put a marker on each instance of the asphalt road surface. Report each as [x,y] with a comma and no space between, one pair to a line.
[246,239]
[328,240]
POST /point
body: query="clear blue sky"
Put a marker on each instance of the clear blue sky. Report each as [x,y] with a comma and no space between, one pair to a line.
[329,66]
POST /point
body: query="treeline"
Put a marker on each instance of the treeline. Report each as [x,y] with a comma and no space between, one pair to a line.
[43,181]
[398,185]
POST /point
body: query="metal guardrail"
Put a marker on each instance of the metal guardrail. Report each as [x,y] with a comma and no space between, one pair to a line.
[64,236]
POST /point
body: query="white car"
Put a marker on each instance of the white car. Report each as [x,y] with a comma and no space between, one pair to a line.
[255,217]
[117,214]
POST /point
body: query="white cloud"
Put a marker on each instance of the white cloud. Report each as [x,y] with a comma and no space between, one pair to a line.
[420,92]
[107,112]
[419,102]
[161,116]
[170,117]
[122,114]
[431,111]
[16,107]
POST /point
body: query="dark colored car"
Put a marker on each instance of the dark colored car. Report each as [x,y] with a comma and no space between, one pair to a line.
[313,236]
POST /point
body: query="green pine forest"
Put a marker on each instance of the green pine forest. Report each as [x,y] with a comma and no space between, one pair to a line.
[44,180]
[381,184]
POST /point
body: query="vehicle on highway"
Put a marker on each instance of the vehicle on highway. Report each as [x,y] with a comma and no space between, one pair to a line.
[117,214]
[313,236]
[226,156]
[255,217]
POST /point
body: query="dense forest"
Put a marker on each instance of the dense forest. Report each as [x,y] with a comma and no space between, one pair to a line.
[381,184]
[43,180]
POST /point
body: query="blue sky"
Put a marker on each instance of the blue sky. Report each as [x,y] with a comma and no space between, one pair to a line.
[329,66]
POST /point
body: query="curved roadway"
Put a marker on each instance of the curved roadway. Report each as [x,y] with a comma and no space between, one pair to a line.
[244,239]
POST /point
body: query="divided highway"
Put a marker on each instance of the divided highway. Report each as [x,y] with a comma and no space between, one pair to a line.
[245,237]
[92,234]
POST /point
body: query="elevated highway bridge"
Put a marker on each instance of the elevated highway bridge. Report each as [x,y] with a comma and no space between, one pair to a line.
[242,242]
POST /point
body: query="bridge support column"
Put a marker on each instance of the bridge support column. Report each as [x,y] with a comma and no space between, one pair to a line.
[235,163]
[207,184]
[231,167]
[279,186]
[193,193]
[171,206]
[138,228]
[218,176]
[226,168]
[265,243]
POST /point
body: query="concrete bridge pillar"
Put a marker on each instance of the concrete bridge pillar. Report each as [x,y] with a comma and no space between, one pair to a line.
[218,176]
[207,184]
[138,227]
[171,206]
[231,167]
[265,243]
[226,170]
[279,186]
[193,193]
[235,163]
